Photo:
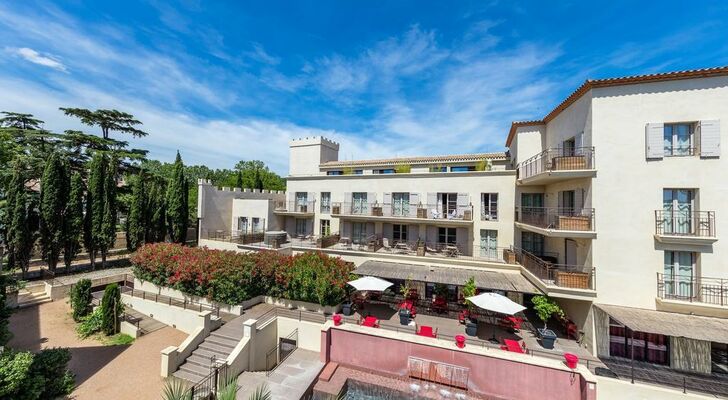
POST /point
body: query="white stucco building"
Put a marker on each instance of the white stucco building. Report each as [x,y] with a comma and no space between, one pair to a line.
[613,204]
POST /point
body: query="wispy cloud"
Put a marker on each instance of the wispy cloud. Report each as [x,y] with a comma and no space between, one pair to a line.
[35,57]
[259,54]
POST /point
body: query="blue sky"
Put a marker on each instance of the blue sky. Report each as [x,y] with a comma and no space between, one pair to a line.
[224,81]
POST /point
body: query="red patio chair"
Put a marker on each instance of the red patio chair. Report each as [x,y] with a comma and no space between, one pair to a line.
[464,314]
[427,331]
[371,322]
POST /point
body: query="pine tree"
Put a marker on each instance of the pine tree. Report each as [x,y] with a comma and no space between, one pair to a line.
[53,201]
[137,220]
[177,210]
[73,223]
[95,206]
[108,222]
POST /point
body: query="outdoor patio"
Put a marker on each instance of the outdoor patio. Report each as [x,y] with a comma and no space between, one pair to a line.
[447,326]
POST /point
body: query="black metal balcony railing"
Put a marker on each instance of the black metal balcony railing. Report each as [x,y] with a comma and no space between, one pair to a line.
[685,223]
[299,206]
[693,289]
[580,158]
[559,218]
[562,275]
[422,211]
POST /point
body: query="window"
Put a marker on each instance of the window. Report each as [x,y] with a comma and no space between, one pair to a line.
[678,206]
[384,171]
[489,244]
[679,275]
[325,202]
[649,347]
[359,203]
[567,202]
[400,204]
[399,233]
[432,289]
[532,243]
[438,169]
[257,226]
[357,172]
[338,172]
[448,202]
[679,139]
[301,202]
[462,168]
[489,206]
[569,149]
[446,235]
[300,227]
[243,224]
[325,227]
[358,233]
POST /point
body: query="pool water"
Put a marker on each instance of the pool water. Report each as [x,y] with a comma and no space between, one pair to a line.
[360,391]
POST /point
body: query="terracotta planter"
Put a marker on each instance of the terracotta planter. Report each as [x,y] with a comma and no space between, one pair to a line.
[336,209]
[509,256]
[377,211]
[577,223]
[421,213]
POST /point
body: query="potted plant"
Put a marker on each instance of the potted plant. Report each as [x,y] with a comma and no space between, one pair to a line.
[405,315]
[545,308]
[420,247]
[469,290]
[346,305]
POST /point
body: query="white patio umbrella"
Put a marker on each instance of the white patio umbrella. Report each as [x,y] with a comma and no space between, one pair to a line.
[370,284]
[496,302]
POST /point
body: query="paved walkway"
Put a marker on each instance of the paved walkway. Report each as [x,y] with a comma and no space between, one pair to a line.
[102,273]
[102,372]
[290,380]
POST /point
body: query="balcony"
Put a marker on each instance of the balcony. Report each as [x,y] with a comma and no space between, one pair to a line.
[557,164]
[295,208]
[552,274]
[691,289]
[557,221]
[685,227]
[385,212]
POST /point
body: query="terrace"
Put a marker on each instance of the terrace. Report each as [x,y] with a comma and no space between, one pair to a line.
[557,164]
[296,208]
[713,291]
[393,212]
[557,221]
[559,275]
[685,227]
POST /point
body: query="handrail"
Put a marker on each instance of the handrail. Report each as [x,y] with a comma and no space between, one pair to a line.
[693,289]
[170,301]
[685,223]
[557,159]
[275,350]
[562,275]
[558,218]
[411,210]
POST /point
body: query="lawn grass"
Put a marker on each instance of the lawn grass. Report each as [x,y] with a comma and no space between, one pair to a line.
[120,339]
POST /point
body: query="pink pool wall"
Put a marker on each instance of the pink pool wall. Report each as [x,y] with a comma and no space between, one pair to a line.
[489,376]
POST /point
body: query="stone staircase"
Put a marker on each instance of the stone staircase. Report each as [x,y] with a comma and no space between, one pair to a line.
[219,344]
[32,295]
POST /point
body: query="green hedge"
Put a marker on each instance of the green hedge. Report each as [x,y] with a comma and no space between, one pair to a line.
[28,376]
[81,299]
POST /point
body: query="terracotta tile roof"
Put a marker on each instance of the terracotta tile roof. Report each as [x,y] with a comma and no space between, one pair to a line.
[625,80]
[417,160]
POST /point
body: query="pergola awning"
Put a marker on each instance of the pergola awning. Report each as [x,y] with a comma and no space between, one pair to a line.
[508,282]
[696,327]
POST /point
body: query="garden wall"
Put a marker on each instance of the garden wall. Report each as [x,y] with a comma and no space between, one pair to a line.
[185,320]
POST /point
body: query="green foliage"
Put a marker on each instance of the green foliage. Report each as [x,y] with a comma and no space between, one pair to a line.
[545,308]
[28,376]
[111,309]
[95,204]
[156,220]
[20,225]
[73,222]
[120,339]
[406,289]
[108,222]
[484,165]
[107,120]
[441,290]
[176,389]
[403,169]
[54,197]
[469,290]
[177,200]
[90,324]
[239,180]
[136,232]
[262,392]
[5,311]
[81,299]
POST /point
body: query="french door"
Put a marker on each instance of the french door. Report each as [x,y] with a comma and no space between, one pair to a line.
[400,204]
[359,203]
[358,232]
[489,243]
[679,274]
[678,205]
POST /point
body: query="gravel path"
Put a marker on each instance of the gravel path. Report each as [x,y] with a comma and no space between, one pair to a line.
[102,372]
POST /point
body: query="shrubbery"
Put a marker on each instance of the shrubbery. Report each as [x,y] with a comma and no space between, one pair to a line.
[230,277]
[111,309]
[81,299]
[28,376]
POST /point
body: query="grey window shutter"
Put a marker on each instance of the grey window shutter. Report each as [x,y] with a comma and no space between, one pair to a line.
[387,198]
[431,199]
[654,141]
[414,198]
[371,197]
[710,138]
[579,199]
[463,199]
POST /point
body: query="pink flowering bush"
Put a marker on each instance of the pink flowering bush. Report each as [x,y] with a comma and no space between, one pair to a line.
[231,277]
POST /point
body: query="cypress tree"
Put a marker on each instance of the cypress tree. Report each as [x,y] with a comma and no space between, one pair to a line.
[137,220]
[95,206]
[108,222]
[177,214]
[53,201]
[73,223]
[239,180]
[20,234]
[157,225]
[111,309]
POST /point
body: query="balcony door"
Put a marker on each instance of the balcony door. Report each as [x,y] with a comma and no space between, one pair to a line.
[300,227]
[679,274]
[570,251]
[678,205]
[359,204]
[400,204]
[301,201]
[489,243]
[358,232]
[532,211]
[448,203]
[446,235]
[569,149]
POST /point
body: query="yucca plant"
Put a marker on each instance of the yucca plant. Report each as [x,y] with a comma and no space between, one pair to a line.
[261,393]
[228,389]
[176,389]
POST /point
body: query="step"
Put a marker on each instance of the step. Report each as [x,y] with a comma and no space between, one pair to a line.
[222,340]
[219,348]
[230,332]
[200,360]
[189,377]
[209,353]
[34,302]
[328,371]
[195,369]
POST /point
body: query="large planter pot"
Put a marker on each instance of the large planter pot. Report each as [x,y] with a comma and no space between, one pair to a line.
[421,251]
[11,299]
[346,308]
[404,317]
[548,338]
[471,328]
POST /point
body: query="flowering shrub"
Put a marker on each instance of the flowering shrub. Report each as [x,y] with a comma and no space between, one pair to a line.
[231,278]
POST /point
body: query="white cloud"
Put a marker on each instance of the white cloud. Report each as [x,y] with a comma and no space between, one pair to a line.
[35,57]
[259,54]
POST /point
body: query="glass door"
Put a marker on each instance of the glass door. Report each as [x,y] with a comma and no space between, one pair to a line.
[359,233]
[489,244]
[679,274]
[301,202]
[359,203]
[678,207]
[400,204]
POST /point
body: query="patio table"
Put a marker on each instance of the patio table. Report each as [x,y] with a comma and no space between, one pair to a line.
[401,246]
[451,251]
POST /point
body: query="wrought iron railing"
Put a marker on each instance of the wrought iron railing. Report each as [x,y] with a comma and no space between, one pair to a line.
[299,206]
[685,223]
[558,218]
[562,275]
[421,211]
[558,159]
[209,386]
[693,289]
[233,236]
[275,356]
